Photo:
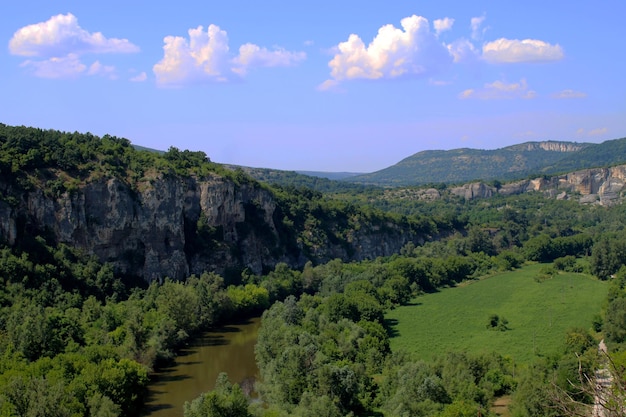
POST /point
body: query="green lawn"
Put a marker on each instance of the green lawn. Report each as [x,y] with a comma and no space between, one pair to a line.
[539,315]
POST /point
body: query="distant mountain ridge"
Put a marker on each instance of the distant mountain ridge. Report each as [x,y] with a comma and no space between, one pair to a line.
[508,163]
[463,165]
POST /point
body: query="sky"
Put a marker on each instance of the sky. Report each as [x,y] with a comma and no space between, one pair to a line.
[317,85]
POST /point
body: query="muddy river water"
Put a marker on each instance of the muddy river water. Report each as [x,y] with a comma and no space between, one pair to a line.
[228,349]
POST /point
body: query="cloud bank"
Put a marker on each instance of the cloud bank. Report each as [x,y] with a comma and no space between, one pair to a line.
[205,58]
[59,42]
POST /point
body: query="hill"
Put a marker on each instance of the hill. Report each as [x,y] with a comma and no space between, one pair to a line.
[463,165]
[328,182]
[155,215]
[608,153]
[330,175]
[457,166]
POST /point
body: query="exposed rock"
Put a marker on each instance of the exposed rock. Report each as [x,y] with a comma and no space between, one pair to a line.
[603,186]
[474,190]
[554,146]
[149,229]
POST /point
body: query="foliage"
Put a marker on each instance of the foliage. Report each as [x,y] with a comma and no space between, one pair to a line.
[539,314]
[78,339]
[464,165]
[226,400]
[496,322]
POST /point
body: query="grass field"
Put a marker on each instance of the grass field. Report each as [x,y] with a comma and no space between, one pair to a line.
[539,315]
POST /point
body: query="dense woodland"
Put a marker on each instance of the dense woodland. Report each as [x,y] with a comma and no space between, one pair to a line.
[79,339]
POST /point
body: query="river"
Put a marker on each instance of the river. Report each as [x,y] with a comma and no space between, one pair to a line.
[227,349]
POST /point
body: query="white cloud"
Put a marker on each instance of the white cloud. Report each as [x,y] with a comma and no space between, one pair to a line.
[566,94]
[528,50]
[59,42]
[141,77]
[203,57]
[60,36]
[462,50]
[253,55]
[412,51]
[441,25]
[475,25]
[65,67]
[206,57]
[103,70]
[500,90]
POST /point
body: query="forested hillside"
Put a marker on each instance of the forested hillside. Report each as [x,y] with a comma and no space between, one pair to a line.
[458,166]
[463,165]
[169,215]
[82,327]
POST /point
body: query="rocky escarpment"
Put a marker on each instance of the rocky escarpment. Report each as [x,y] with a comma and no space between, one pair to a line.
[174,226]
[603,186]
[552,146]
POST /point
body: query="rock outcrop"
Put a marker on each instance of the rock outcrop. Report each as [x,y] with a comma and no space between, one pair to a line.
[553,146]
[150,229]
[604,186]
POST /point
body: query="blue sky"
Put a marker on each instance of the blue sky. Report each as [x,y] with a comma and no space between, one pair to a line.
[327,86]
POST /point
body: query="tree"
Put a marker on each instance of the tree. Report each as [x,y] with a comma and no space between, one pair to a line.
[226,400]
[495,322]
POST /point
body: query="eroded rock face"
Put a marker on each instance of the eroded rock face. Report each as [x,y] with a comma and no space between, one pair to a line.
[474,190]
[150,229]
[605,186]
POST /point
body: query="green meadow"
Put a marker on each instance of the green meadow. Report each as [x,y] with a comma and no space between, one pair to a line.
[538,313]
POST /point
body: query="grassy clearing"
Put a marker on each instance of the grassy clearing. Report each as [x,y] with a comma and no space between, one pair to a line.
[539,315]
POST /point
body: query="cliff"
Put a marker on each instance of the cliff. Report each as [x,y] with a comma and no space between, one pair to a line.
[603,186]
[174,226]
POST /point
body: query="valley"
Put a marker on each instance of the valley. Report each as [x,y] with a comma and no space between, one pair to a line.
[431,301]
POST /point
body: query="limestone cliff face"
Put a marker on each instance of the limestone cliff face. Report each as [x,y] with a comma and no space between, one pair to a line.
[150,229]
[604,186]
[553,146]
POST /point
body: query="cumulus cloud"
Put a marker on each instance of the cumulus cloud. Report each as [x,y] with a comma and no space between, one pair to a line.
[528,50]
[61,35]
[566,94]
[441,25]
[412,51]
[206,57]
[59,43]
[107,71]
[475,25]
[462,50]
[253,55]
[64,67]
[500,90]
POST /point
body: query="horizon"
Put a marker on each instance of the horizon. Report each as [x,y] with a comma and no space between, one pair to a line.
[296,87]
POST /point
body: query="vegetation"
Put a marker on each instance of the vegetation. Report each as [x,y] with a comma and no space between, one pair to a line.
[77,338]
[539,315]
